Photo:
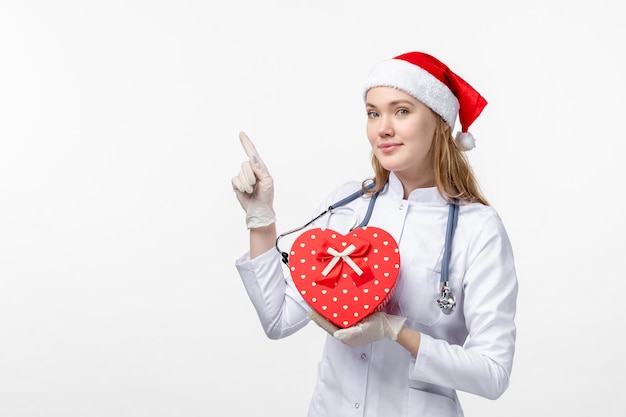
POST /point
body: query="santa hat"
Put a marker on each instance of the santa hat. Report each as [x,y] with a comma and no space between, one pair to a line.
[431,82]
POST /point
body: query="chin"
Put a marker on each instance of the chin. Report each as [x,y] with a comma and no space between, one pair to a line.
[391,165]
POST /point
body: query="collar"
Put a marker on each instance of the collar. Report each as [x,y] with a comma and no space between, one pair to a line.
[426,196]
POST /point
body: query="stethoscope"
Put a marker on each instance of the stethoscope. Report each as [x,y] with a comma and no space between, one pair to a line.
[446,301]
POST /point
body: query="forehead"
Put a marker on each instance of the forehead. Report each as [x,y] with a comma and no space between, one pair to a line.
[378,96]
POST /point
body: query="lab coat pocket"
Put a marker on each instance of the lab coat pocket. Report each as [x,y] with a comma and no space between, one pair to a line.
[419,290]
[431,404]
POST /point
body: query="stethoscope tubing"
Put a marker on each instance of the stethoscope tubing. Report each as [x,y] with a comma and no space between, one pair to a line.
[447,301]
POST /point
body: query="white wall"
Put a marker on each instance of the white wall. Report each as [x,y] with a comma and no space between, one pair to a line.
[119,127]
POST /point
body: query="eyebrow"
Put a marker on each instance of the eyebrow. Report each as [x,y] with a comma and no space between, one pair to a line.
[393,103]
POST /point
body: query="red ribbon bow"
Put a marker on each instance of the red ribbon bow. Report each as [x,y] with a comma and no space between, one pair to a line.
[349,259]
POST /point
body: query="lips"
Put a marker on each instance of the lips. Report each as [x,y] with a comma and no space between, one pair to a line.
[388,147]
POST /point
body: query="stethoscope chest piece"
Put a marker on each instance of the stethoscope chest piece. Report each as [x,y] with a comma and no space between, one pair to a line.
[447,301]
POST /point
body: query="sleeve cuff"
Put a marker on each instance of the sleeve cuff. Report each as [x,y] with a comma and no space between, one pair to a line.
[423,356]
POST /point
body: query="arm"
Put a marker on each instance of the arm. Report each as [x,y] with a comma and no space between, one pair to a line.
[483,364]
[279,307]
[410,340]
[262,239]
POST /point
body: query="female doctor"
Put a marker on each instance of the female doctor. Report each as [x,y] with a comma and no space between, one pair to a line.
[449,323]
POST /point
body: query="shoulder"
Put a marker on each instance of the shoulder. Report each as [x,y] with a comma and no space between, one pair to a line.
[483,232]
[479,212]
[478,220]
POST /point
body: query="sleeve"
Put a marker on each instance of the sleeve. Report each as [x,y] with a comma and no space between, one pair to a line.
[483,365]
[280,308]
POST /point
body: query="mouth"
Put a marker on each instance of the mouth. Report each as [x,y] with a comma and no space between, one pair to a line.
[388,147]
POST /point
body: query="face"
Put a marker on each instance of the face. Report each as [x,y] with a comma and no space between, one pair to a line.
[401,131]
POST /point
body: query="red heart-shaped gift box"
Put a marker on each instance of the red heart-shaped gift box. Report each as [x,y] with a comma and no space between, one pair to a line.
[345,278]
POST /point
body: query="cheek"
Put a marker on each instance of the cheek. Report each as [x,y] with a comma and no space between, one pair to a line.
[425,133]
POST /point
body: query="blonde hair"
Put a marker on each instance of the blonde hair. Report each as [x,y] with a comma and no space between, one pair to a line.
[454,176]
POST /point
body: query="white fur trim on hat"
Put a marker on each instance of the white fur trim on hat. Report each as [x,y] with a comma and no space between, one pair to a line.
[418,83]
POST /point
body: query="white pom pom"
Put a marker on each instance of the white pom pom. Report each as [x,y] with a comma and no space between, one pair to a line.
[466,140]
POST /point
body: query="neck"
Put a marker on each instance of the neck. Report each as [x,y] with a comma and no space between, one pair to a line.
[413,183]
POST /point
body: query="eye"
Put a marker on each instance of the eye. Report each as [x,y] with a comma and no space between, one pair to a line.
[372,114]
[402,112]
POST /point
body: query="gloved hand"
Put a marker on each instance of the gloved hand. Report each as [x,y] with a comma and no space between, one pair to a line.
[254,187]
[375,327]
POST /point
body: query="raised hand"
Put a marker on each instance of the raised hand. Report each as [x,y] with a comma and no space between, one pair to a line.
[254,187]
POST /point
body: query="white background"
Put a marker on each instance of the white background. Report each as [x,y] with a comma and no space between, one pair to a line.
[119,125]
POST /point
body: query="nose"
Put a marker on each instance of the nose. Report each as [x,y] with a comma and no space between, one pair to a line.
[385,128]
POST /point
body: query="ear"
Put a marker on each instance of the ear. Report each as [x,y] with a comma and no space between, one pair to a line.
[445,127]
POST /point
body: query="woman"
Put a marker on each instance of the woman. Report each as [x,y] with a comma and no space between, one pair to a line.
[435,334]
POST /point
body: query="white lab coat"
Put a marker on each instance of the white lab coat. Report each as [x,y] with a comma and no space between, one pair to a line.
[469,350]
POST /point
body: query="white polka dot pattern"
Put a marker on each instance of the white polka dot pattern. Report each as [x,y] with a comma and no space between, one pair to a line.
[345,278]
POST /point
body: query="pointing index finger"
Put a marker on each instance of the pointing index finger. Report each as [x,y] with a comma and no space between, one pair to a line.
[248,146]
[252,153]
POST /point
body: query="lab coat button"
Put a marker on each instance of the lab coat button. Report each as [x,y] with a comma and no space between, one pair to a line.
[401,207]
[356,405]
[363,356]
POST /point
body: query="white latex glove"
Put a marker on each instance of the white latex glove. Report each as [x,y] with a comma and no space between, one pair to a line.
[254,187]
[375,327]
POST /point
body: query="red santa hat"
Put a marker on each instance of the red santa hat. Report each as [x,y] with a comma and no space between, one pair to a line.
[431,82]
